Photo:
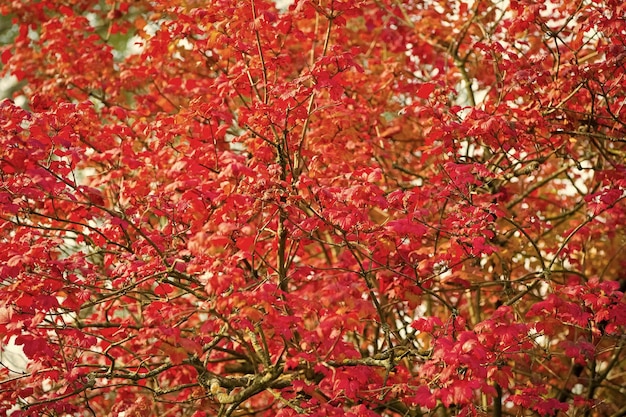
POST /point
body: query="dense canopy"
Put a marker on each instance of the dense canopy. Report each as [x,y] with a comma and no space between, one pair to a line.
[323,207]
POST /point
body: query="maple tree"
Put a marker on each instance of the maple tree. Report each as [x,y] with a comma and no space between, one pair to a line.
[336,207]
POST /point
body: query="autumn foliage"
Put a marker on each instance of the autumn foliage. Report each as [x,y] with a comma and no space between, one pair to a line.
[331,208]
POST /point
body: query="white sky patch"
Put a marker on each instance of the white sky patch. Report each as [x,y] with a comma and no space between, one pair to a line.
[582,177]
[92,18]
[135,46]
[12,356]
[283,4]
[151,28]
[7,82]
[185,44]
